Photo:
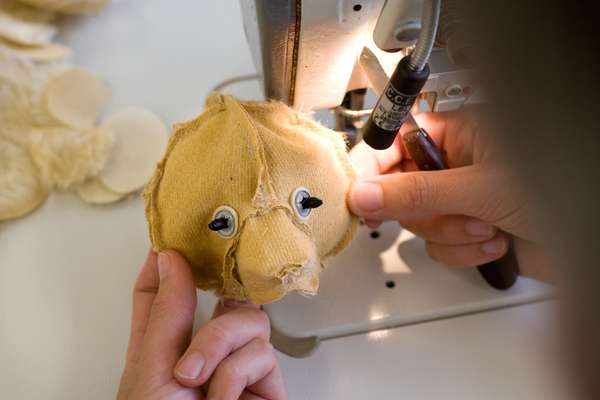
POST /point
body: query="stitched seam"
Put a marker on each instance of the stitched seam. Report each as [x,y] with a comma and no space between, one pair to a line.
[152,187]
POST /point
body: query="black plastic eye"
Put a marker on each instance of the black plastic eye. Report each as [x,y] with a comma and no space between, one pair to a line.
[224,222]
[302,202]
[218,224]
[311,202]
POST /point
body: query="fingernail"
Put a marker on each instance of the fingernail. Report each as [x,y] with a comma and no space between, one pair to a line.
[493,247]
[373,224]
[164,262]
[475,227]
[191,366]
[366,197]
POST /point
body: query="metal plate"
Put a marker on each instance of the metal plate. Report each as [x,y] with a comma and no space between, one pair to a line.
[353,296]
[506,354]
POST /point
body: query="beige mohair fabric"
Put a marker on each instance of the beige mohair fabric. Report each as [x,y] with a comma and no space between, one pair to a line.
[251,156]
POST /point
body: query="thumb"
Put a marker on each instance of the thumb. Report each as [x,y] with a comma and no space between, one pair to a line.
[171,317]
[470,191]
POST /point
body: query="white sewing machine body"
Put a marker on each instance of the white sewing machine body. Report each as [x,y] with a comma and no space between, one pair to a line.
[309,54]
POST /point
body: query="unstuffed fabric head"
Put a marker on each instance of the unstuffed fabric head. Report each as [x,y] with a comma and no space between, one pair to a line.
[253,195]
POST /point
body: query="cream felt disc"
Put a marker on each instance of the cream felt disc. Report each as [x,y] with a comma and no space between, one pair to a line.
[20,188]
[84,6]
[70,6]
[140,140]
[21,83]
[25,25]
[93,191]
[23,11]
[46,53]
[14,101]
[76,97]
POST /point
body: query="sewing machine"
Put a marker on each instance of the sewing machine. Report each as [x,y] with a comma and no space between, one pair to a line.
[67,271]
[308,53]
[316,55]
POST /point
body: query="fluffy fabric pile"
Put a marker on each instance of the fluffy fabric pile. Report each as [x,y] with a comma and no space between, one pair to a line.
[50,134]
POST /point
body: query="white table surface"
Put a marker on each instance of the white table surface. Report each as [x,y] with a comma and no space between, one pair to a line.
[67,270]
[506,354]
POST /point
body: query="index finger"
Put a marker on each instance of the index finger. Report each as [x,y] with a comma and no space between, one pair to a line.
[217,339]
[451,131]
